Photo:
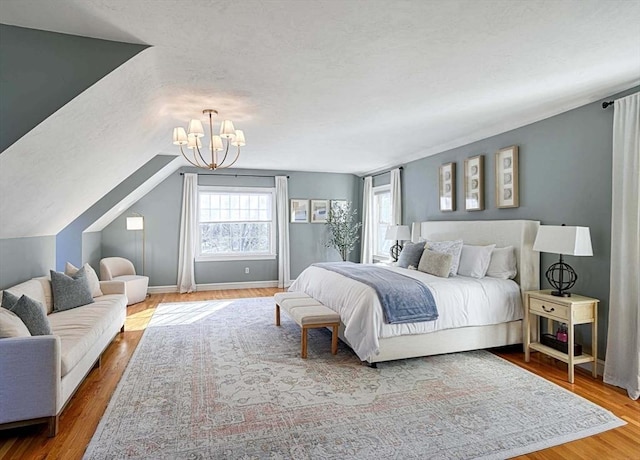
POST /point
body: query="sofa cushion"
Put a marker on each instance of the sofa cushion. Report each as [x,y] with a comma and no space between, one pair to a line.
[32,314]
[11,325]
[92,277]
[70,291]
[37,289]
[80,328]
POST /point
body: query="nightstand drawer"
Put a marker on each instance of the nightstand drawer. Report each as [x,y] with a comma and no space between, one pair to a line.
[546,308]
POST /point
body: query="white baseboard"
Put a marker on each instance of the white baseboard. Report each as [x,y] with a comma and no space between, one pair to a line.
[217,286]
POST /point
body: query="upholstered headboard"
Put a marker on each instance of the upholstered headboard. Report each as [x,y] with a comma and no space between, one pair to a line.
[517,233]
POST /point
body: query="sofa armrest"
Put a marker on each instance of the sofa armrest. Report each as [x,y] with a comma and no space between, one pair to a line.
[112,287]
[29,377]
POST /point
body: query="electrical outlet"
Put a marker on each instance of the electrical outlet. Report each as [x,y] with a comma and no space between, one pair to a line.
[246,270]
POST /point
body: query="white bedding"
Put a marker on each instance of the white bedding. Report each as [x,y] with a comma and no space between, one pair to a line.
[461,302]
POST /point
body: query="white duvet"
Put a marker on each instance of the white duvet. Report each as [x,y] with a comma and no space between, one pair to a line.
[461,302]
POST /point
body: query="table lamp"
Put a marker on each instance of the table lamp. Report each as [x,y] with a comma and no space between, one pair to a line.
[397,233]
[563,240]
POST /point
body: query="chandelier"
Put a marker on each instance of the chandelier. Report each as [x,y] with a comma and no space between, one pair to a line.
[217,144]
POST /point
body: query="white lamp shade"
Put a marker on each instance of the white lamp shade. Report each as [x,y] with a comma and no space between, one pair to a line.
[195,128]
[556,239]
[398,233]
[216,144]
[226,129]
[179,136]
[239,139]
[193,142]
[135,223]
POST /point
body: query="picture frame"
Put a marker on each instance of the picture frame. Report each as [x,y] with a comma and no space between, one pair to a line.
[340,203]
[447,187]
[299,211]
[507,193]
[474,183]
[319,211]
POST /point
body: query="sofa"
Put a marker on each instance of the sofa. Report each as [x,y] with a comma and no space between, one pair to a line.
[39,374]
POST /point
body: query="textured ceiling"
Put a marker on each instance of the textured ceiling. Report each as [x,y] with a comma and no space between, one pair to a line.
[342,86]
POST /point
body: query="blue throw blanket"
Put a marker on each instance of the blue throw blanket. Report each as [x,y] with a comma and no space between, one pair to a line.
[403,299]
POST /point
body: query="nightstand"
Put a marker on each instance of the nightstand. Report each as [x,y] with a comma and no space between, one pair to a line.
[572,310]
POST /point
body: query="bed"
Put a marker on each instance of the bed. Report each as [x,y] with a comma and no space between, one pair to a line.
[363,327]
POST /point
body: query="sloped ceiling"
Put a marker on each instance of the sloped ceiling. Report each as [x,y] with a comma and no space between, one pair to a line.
[352,86]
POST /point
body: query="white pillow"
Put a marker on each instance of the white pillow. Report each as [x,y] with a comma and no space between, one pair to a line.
[454,248]
[11,325]
[92,277]
[503,263]
[474,260]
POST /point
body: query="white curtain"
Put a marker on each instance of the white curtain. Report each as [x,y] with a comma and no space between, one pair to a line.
[187,249]
[367,221]
[396,197]
[282,211]
[622,364]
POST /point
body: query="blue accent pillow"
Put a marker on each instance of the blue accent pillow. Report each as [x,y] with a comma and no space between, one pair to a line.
[70,291]
[32,314]
[410,255]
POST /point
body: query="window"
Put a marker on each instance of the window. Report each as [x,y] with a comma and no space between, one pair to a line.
[236,223]
[381,220]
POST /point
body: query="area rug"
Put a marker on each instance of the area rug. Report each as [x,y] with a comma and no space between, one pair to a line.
[219,380]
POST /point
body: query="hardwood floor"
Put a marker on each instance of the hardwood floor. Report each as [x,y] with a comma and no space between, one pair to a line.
[82,415]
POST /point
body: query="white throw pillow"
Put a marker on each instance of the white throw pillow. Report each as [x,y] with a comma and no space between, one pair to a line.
[11,325]
[454,248]
[92,277]
[474,260]
[503,263]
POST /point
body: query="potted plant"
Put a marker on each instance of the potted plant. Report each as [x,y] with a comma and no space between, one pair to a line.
[343,228]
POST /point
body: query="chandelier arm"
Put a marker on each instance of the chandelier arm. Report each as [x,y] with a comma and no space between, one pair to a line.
[225,152]
[187,158]
[234,160]
[206,165]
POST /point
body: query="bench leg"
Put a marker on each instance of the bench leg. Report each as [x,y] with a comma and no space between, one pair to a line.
[277,315]
[304,343]
[334,340]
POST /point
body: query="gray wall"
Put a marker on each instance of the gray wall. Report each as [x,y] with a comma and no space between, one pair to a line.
[162,206]
[69,242]
[92,249]
[25,258]
[565,177]
[42,71]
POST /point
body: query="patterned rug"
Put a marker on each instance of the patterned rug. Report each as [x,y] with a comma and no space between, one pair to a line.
[219,380]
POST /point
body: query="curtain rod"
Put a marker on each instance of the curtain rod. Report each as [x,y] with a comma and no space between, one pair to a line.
[607,104]
[383,172]
[231,175]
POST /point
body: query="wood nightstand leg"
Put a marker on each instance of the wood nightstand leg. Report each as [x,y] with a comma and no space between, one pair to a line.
[527,335]
[570,351]
[594,341]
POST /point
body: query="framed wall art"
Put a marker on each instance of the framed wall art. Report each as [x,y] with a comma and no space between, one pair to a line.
[447,187]
[507,195]
[474,183]
[299,211]
[319,211]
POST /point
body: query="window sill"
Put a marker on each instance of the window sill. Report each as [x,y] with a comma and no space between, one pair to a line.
[238,257]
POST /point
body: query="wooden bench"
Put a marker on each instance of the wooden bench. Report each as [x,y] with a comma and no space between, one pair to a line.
[308,313]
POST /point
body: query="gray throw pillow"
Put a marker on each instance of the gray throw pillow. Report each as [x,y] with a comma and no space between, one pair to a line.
[70,291]
[435,263]
[31,312]
[410,255]
[9,300]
